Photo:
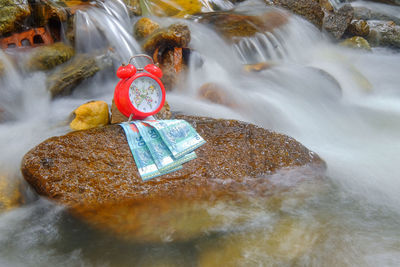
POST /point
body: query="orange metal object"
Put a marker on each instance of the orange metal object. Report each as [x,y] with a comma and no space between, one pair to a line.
[33,37]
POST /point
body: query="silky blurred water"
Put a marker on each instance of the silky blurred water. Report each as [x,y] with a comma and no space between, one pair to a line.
[343,104]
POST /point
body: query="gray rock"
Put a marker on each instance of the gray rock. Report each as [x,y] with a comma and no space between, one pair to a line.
[384,33]
[336,22]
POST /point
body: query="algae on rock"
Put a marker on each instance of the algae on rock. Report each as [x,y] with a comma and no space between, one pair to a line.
[48,57]
[69,75]
[144,27]
[12,14]
[356,42]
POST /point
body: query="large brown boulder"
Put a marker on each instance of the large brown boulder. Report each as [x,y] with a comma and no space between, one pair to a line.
[94,174]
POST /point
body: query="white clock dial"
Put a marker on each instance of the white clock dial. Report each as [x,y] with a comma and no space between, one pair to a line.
[145,94]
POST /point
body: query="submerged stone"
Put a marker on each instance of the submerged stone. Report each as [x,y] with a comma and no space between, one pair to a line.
[12,14]
[94,174]
[10,195]
[134,7]
[356,42]
[2,68]
[50,56]
[216,93]
[286,242]
[90,115]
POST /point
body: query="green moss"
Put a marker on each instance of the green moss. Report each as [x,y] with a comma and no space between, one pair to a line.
[356,42]
[12,13]
[47,57]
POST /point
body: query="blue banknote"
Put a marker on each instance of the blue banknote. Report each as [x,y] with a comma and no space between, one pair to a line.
[141,154]
[178,135]
[160,153]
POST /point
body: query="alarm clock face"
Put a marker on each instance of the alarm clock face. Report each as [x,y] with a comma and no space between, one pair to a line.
[145,94]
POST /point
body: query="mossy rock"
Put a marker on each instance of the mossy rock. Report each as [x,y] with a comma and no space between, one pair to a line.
[12,13]
[48,57]
[358,28]
[43,11]
[356,42]
[65,79]
[144,27]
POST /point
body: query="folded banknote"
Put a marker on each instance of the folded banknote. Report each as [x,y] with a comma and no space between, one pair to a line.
[141,154]
[178,135]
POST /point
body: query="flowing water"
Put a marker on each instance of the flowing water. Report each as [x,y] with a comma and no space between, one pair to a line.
[343,104]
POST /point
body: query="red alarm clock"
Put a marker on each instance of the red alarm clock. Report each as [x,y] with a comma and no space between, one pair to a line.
[139,93]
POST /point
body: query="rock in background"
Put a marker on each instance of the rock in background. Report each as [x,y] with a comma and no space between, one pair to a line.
[12,15]
[50,56]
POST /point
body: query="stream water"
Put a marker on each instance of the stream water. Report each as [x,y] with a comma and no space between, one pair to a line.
[343,104]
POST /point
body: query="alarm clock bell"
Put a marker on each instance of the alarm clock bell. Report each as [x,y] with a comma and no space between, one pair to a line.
[139,93]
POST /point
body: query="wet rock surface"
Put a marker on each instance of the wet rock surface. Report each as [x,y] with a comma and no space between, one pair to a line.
[366,13]
[356,42]
[144,27]
[2,68]
[12,14]
[133,7]
[10,195]
[216,93]
[65,79]
[168,47]
[176,35]
[233,26]
[358,28]
[338,21]
[309,9]
[384,33]
[175,8]
[94,174]
[321,13]
[90,115]
[48,57]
